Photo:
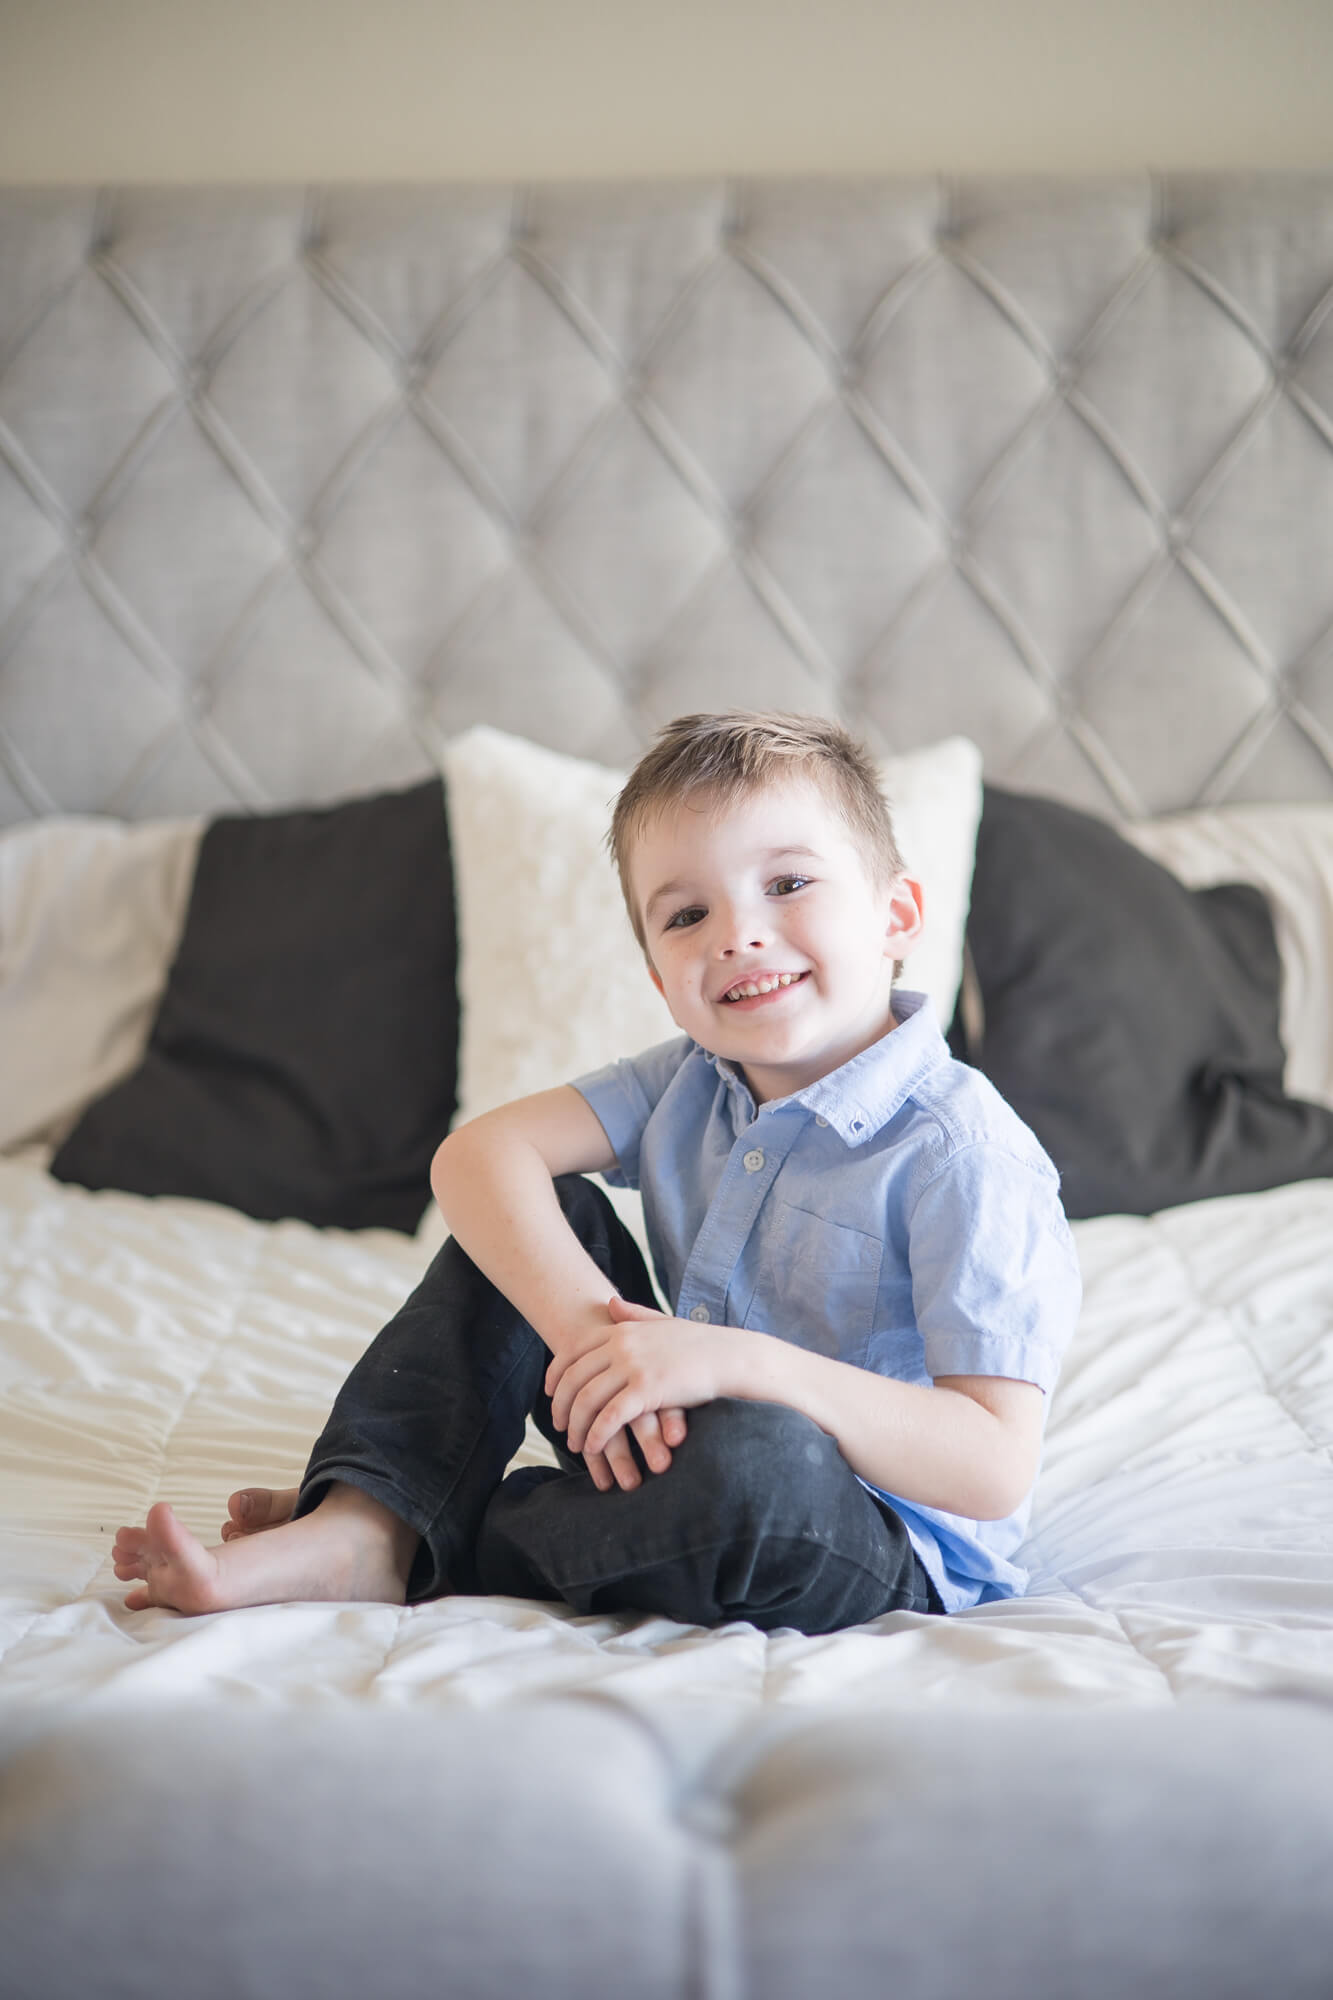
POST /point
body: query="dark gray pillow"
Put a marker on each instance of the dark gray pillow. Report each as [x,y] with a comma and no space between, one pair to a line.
[303,1061]
[1130,1021]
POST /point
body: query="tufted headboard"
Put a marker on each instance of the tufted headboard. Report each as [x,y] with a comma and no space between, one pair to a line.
[296,484]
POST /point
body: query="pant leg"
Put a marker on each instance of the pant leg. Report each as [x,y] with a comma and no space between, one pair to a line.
[435,1409]
[758,1517]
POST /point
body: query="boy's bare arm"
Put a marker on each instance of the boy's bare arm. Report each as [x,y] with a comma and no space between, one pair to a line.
[493,1182]
[968,1445]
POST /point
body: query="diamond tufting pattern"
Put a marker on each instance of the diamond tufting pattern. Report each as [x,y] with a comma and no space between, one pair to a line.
[296,484]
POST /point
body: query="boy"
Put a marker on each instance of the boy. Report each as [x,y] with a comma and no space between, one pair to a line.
[871,1275]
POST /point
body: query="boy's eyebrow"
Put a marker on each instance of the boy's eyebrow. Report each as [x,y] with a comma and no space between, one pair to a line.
[660,896]
[791,853]
[769,855]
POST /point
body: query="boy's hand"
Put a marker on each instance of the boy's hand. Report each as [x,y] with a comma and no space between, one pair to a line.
[657,1434]
[645,1369]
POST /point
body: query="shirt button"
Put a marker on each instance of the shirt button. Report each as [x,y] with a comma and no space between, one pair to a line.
[753,1161]
[699,1313]
[820,1121]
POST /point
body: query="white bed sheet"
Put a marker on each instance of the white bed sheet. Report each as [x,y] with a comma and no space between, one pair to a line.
[1182,1544]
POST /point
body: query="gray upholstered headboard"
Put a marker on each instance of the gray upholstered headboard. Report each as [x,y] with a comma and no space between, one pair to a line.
[294,484]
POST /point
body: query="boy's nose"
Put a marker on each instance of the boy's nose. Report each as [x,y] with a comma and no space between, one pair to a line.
[741,930]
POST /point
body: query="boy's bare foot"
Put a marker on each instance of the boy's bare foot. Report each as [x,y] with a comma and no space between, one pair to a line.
[255,1508]
[349,1550]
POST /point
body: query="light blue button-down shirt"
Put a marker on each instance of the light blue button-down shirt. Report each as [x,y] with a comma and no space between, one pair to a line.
[896,1215]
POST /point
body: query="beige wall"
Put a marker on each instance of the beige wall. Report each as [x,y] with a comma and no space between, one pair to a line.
[254,89]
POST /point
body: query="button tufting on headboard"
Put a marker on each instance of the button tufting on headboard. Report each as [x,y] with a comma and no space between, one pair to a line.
[295,484]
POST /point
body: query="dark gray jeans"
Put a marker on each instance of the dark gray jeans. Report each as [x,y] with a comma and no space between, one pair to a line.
[758,1516]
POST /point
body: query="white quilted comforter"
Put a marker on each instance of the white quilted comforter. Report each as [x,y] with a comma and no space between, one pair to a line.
[1182,1544]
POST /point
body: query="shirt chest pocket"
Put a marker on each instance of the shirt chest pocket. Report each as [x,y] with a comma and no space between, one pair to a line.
[817,1283]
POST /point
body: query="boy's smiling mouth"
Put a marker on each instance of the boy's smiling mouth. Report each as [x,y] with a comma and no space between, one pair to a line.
[760,986]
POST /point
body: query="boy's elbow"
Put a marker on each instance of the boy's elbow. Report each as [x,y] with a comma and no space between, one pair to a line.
[1004,1481]
[478,1151]
[997,1442]
[450,1161]
[997,1501]
[442,1157]
[995,1478]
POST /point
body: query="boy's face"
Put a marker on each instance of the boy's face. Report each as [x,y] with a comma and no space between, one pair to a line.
[767,934]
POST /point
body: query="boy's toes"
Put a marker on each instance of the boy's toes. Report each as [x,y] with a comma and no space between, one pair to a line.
[127,1553]
[254,1508]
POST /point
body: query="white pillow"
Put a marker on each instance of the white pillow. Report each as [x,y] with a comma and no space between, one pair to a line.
[935,796]
[551,980]
[91,912]
[1287,851]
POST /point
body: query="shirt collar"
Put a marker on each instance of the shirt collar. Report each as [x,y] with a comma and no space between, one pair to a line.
[858,1099]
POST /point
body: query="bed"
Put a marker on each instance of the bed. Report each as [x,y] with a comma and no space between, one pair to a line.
[352,541]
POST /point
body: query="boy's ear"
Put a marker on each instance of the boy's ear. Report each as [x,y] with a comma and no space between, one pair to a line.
[655,976]
[906,917]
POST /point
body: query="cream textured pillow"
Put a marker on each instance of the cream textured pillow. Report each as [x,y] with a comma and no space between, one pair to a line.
[90,916]
[935,796]
[551,981]
[1287,851]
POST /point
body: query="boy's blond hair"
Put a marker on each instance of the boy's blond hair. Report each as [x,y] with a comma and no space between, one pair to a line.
[738,752]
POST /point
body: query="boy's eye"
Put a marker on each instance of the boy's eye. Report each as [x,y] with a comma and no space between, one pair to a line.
[786,885]
[684,918]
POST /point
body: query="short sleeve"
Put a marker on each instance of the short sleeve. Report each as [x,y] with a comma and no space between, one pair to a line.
[624,1096]
[995,1277]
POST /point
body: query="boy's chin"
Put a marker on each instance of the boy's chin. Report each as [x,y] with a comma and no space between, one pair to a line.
[771,1053]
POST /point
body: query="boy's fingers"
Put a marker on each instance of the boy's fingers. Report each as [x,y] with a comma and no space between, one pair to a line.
[623,1309]
[611,1423]
[576,1377]
[585,1343]
[599,1471]
[606,1404]
[648,1430]
[673,1426]
[621,1461]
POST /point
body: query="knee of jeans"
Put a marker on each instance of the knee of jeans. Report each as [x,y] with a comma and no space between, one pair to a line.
[769,1464]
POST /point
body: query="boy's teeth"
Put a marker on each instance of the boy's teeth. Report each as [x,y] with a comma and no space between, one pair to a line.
[758,986]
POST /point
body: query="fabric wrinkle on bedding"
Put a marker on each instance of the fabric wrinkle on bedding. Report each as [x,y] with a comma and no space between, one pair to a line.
[1183,1512]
